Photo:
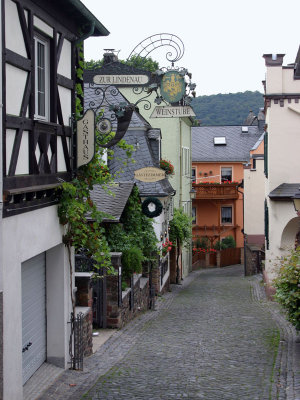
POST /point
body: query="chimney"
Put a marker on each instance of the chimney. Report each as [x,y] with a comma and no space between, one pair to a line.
[110,56]
[273,60]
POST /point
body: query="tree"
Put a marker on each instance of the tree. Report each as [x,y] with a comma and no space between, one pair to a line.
[148,64]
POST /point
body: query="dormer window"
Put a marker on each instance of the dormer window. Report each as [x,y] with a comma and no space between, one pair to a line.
[219,140]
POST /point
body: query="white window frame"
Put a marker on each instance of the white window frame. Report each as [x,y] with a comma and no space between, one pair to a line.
[226,166]
[194,174]
[227,206]
[38,39]
[186,161]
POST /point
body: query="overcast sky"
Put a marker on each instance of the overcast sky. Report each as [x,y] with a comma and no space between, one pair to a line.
[224,39]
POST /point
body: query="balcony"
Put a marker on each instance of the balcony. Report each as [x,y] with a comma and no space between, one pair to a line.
[215,191]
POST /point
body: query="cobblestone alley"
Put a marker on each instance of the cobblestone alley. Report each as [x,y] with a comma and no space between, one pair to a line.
[213,339]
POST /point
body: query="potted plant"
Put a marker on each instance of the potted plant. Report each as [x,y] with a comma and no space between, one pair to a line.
[167,166]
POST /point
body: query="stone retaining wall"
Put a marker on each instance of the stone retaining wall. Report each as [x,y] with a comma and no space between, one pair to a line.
[119,315]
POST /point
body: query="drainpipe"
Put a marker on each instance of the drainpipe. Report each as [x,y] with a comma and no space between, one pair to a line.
[245,257]
[180,170]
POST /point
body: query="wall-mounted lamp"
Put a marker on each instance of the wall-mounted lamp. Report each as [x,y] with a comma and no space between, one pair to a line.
[296,201]
[161,236]
[193,194]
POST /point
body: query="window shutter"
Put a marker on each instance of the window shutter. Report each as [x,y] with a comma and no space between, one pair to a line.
[267,224]
[266,154]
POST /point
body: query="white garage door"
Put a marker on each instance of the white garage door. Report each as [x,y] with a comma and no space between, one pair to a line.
[33,315]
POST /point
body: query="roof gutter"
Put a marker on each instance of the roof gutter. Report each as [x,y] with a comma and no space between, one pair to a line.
[96,24]
[86,35]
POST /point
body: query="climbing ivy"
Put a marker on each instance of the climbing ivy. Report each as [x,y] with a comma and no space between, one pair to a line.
[135,230]
[180,228]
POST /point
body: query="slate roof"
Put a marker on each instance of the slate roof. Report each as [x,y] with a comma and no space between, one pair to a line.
[141,132]
[93,95]
[143,157]
[112,202]
[285,191]
[237,148]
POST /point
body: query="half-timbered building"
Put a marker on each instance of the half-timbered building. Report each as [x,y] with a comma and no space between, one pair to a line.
[40,54]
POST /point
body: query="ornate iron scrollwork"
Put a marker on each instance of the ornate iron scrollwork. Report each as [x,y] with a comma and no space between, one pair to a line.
[144,48]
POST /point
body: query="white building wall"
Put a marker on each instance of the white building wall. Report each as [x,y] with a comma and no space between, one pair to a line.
[27,235]
[254,181]
[283,121]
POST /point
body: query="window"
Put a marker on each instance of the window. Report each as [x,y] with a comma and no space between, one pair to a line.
[41,47]
[226,215]
[226,174]
[186,161]
[194,215]
[194,175]
[220,140]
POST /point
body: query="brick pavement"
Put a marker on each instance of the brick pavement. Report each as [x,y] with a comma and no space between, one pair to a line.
[212,338]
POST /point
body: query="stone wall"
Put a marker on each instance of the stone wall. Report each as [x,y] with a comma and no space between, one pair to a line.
[84,301]
[120,315]
[88,334]
[254,256]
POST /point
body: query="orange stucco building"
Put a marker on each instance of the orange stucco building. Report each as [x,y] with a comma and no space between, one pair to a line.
[219,155]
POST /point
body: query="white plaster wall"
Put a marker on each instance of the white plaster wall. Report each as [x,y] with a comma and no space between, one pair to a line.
[59,305]
[64,65]
[280,214]
[283,144]
[23,159]
[42,26]
[61,164]
[26,235]
[13,32]
[254,182]
[66,104]
[15,84]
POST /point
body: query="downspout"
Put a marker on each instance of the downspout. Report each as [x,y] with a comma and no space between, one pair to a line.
[245,257]
[180,170]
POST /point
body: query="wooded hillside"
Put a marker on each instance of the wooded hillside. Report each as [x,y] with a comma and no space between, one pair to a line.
[227,109]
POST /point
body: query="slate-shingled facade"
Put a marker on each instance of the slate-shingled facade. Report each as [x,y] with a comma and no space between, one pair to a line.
[146,142]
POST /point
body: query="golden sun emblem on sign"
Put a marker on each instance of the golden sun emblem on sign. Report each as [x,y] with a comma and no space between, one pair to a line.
[172,87]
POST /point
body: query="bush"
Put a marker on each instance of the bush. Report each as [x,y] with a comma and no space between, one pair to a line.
[201,242]
[226,243]
[288,286]
[132,261]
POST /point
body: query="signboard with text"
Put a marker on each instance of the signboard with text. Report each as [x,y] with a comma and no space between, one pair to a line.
[149,174]
[86,138]
[121,79]
[172,112]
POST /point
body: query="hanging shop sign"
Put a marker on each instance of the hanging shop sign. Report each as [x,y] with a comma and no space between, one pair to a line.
[86,138]
[121,79]
[172,86]
[149,174]
[172,112]
[152,207]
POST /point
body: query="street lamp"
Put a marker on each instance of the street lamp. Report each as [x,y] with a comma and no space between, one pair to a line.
[193,194]
[296,201]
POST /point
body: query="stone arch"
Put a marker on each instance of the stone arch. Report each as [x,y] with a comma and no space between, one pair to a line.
[291,234]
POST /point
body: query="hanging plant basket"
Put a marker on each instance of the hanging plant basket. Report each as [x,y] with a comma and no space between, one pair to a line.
[157,210]
[167,166]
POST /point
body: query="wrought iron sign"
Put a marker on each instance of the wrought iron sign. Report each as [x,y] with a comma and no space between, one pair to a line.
[172,85]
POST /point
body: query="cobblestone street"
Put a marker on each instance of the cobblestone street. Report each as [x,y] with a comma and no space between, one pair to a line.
[212,339]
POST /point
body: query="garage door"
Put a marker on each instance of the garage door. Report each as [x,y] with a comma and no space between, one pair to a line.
[33,315]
